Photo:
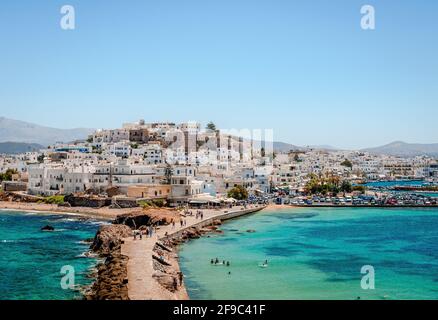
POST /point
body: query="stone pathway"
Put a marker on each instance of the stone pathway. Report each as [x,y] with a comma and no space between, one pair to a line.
[141,284]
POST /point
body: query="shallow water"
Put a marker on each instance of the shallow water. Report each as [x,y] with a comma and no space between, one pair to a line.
[31,260]
[318,253]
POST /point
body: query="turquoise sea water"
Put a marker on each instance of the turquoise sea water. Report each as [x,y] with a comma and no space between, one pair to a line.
[31,260]
[318,253]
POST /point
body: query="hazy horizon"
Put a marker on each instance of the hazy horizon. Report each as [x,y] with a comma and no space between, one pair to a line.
[306,70]
[204,124]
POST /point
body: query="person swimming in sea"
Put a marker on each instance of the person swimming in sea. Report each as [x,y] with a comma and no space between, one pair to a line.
[216,261]
[212,261]
[228,263]
[264,264]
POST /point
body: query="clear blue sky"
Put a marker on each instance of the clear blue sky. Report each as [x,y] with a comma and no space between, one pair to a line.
[304,68]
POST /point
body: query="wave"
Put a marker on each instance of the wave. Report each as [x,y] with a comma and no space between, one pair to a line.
[9,241]
[98,223]
[87,254]
[84,242]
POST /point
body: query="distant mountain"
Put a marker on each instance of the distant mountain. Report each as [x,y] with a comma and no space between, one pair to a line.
[324,147]
[18,147]
[285,147]
[403,149]
[20,131]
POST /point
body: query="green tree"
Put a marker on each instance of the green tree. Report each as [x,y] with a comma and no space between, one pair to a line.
[321,185]
[346,186]
[238,193]
[347,163]
[7,176]
[211,126]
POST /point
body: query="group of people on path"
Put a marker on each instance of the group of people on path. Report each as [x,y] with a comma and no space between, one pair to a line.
[199,214]
[148,232]
[182,223]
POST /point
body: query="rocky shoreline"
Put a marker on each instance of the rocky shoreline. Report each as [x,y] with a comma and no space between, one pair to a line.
[151,264]
[111,276]
[165,255]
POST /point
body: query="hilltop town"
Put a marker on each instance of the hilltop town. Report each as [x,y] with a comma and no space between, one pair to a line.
[180,164]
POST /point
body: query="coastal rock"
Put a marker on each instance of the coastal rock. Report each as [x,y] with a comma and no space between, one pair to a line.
[217,222]
[89,201]
[109,238]
[112,279]
[168,281]
[148,217]
[19,197]
[47,228]
[191,233]
[65,204]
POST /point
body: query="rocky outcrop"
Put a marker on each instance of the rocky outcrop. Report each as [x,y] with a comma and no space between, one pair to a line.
[168,281]
[47,228]
[112,275]
[165,259]
[148,217]
[166,268]
[19,197]
[109,238]
[89,201]
[112,279]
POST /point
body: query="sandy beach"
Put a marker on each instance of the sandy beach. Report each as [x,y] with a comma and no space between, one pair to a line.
[277,207]
[104,213]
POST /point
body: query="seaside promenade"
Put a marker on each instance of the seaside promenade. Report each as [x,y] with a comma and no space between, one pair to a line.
[141,283]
